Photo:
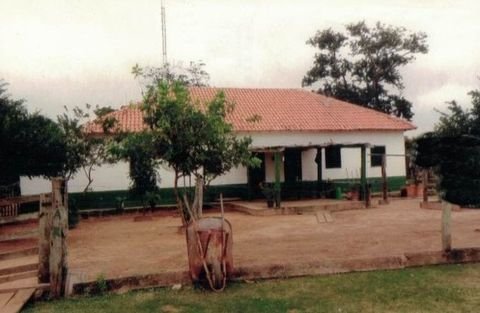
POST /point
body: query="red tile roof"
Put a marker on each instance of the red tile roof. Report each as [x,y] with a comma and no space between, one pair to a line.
[279,110]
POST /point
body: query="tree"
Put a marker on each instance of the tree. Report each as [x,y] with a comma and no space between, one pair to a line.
[83,150]
[193,138]
[192,75]
[453,150]
[362,65]
[139,150]
[31,144]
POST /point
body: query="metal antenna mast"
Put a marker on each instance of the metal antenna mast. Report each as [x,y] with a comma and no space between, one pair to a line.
[164,36]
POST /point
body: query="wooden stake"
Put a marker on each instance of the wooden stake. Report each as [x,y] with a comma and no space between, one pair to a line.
[384,179]
[278,163]
[425,185]
[446,223]
[363,173]
[44,228]
[58,238]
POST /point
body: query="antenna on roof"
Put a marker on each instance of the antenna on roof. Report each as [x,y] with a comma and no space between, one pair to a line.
[164,36]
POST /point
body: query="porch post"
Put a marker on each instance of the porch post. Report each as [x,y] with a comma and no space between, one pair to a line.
[277,188]
[318,160]
[249,185]
[363,172]
[384,179]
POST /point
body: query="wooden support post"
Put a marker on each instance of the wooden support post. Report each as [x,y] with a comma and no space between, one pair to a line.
[318,160]
[446,226]
[44,227]
[277,188]
[363,172]
[249,184]
[384,179]
[425,185]
[58,238]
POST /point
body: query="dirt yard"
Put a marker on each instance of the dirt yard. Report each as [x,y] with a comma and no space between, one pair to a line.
[118,246]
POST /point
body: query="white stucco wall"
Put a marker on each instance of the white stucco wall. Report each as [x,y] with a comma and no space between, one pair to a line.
[106,177]
[115,177]
[393,141]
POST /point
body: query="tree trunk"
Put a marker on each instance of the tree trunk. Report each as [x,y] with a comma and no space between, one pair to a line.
[44,228]
[178,199]
[88,173]
[197,206]
[58,238]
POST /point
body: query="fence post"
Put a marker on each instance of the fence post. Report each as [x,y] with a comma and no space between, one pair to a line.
[384,179]
[58,238]
[446,223]
[44,228]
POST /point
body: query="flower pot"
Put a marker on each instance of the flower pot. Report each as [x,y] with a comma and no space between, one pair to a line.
[419,189]
[353,195]
[411,190]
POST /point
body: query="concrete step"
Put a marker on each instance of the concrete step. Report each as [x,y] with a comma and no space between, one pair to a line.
[18,276]
[19,226]
[5,290]
[25,234]
[21,283]
[18,253]
[19,269]
[28,260]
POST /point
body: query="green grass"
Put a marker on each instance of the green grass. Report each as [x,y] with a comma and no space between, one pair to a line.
[452,288]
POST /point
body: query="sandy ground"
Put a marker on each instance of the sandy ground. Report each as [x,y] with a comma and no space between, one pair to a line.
[118,246]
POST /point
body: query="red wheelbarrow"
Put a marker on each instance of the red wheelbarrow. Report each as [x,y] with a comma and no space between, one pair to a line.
[209,244]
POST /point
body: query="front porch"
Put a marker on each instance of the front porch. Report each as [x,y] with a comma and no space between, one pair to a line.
[283,174]
[295,207]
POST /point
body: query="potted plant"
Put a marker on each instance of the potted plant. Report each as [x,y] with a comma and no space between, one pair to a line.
[269,193]
[411,189]
[414,184]
[120,204]
[414,188]
[353,192]
[152,198]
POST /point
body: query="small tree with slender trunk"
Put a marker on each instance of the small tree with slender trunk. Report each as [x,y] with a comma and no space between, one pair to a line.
[193,138]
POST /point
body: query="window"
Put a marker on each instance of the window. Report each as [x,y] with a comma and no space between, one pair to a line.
[376,155]
[333,157]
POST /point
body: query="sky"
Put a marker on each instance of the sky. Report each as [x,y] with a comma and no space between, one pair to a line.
[71,52]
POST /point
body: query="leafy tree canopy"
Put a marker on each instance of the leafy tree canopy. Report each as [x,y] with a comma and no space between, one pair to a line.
[139,150]
[192,75]
[193,138]
[362,65]
[82,150]
[453,149]
[31,144]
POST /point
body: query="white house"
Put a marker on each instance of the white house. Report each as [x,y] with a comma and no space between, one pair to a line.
[318,138]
